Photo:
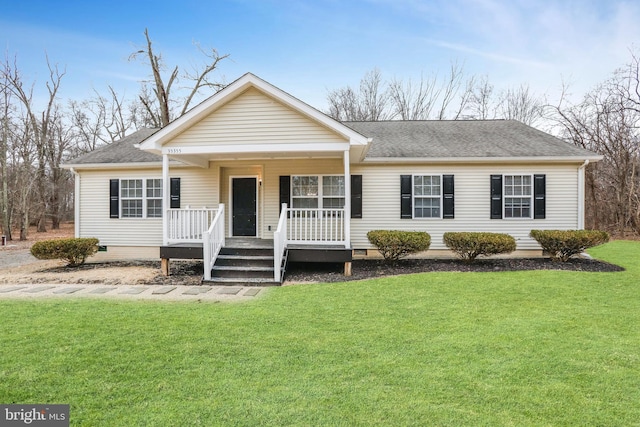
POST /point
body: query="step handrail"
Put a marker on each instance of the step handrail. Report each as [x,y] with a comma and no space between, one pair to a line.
[212,241]
[279,244]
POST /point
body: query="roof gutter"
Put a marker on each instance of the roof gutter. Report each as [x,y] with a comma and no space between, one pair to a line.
[545,159]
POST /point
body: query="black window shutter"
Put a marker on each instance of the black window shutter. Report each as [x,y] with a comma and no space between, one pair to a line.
[405,197]
[114,198]
[496,196]
[175,193]
[539,196]
[356,196]
[448,206]
[285,191]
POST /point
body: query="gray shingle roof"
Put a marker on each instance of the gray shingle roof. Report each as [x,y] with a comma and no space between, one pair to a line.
[462,139]
[436,139]
[121,151]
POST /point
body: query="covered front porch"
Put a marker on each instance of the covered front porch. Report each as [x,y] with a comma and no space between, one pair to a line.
[302,235]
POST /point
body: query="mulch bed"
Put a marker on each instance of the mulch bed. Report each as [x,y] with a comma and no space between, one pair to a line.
[190,272]
[367,269]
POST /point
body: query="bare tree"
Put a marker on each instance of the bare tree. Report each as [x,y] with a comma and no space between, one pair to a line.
[450,90]
[41,124]
[158,101]
[22,184]
[414,102]
[520,104]
[5,106]
[376,100]
[101,120]
[369,103]
[481,105]
[607,121]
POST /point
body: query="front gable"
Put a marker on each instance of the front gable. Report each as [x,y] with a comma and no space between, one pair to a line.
[252,117]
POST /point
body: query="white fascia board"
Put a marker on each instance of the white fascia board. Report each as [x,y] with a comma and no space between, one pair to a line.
[546,159]
[256,148]
[154,142]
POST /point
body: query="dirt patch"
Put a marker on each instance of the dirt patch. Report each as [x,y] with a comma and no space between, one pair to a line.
[108,273]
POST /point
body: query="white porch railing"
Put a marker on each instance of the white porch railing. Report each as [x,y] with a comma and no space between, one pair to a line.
[212,242]
[279,243]
[306,227]
[316,226]
[188,225]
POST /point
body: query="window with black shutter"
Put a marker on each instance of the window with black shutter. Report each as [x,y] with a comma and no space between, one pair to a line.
[518,196]
[427,196]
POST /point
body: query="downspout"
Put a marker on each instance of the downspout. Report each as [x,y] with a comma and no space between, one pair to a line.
[581,194]
[76,203]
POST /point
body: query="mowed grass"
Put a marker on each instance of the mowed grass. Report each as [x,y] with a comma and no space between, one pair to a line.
[535,348]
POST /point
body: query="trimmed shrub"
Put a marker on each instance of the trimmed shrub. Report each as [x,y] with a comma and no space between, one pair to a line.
[394,244]
[73,251]
[470,245]
[563,244]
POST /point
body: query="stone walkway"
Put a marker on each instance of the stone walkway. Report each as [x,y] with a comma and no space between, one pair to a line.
[149,292]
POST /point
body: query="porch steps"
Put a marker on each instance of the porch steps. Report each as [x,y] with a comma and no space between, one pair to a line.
[244,265]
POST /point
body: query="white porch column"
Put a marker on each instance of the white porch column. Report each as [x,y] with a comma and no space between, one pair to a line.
[347,200]
[166,191]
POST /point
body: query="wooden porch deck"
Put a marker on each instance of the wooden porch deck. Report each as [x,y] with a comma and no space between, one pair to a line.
[194,250]
[295,253]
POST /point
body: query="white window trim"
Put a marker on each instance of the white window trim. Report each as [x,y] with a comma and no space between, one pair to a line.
[144,198]
[413,197]
[504,197]
[320,195]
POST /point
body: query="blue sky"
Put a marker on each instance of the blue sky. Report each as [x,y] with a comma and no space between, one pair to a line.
[308,47]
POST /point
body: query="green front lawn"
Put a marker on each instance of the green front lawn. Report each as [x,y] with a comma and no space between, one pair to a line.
[496,349]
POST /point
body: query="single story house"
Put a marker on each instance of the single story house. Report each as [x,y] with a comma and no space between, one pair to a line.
[253,166]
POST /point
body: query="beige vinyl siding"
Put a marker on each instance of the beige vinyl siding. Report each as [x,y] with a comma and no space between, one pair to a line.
[254,118]
[199,188]
[381,202]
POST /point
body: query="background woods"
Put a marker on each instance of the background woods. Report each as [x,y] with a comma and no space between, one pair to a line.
[39,131]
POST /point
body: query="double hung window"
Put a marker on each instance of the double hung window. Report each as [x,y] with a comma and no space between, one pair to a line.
[141,198]
[427,196]
[317,191]
[518,196]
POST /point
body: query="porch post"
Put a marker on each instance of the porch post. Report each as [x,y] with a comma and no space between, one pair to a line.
[165,199]
[347,200]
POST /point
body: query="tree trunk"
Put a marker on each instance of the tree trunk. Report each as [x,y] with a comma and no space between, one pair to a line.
[24,225]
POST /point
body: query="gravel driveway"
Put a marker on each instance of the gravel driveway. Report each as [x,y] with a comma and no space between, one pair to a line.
[15,257]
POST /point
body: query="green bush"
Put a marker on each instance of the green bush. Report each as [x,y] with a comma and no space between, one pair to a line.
[563,244]
[73,251]
[394,244]
[470,245]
